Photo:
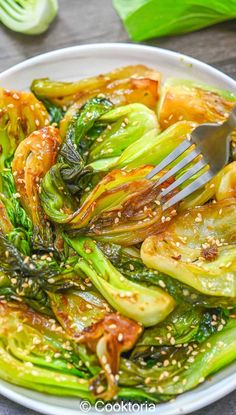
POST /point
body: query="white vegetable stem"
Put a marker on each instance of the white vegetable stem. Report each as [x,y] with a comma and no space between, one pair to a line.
[31,17]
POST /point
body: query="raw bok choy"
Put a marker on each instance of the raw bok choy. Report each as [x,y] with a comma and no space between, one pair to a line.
[145,19]
[31,17]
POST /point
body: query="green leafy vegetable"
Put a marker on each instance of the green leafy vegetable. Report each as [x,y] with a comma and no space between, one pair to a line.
[129,263]
[32,159]
[147,305]
[179,369]
[122,208]
[85,310]
[193,101]
[124,126]
[185,324]
[36,353]
[55,112]
[145,19]
[198,248]
[31,17]
[14,221]
[18,114]
[130,84]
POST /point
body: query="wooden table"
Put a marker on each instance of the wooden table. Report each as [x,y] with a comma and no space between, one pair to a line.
[90,21]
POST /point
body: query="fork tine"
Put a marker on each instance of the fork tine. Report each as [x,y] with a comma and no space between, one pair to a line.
[186,160]
[196,184]
[194,169]
[170,158]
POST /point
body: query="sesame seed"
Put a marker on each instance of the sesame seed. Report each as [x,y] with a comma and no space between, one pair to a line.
[16,96]
[172,341]
[147,380]
[19,328]
[100,389]
[56,355]
[152,390]
[28,364]
[198,218]
[104,359]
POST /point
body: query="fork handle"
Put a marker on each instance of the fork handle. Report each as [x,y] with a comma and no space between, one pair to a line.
[231,121]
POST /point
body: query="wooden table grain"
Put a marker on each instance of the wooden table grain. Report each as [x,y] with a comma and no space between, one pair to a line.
[91,21]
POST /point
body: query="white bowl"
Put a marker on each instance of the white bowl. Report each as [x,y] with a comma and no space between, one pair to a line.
[82,61]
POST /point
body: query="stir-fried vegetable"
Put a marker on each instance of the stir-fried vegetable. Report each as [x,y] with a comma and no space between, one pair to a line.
[33,158]
[179,369]
[20,114]
[123,208]
[122,86]
[147,305]
[102,294]
[198,248]
[191,101]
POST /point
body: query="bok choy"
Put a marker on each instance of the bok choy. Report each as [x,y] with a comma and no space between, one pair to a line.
[102,294]
[145,19]
[31,17]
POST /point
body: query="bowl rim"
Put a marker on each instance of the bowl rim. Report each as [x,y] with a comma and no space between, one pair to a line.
[119,46]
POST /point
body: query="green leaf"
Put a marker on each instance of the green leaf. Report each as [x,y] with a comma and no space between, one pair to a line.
[21,114]
[179,369]
[124,126]
[145,19]
[198,249]
[129,263]
[147,305]
[55,112]
[193,101]
[36,353]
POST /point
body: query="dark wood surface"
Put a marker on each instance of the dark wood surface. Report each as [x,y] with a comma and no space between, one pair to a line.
[95,21]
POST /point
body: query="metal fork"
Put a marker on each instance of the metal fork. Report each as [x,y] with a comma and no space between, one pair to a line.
[212,143]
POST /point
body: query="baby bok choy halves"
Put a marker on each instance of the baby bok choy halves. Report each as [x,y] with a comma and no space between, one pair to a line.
[31,17]
[102,295]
